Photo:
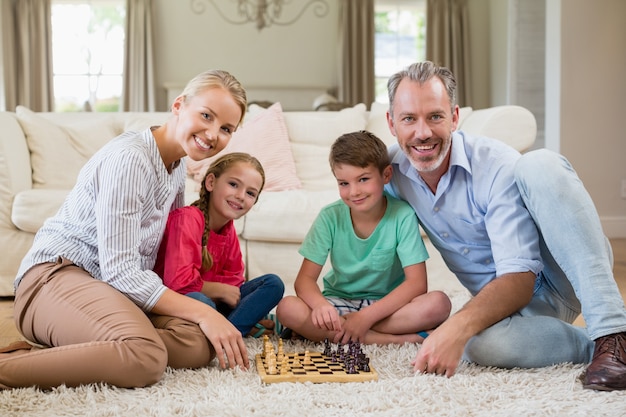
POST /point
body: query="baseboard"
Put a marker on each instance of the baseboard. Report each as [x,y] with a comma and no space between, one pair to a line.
[614,226]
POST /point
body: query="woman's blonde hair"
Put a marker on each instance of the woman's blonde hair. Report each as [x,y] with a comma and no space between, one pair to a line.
[217,168]
[217,79]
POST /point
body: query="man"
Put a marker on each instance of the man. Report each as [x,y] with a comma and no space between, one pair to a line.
[521,234]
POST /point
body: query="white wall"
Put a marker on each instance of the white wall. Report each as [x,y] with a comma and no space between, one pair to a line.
[593,90]
[302,54]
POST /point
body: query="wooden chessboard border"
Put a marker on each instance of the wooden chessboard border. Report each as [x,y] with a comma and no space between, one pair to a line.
[313,376]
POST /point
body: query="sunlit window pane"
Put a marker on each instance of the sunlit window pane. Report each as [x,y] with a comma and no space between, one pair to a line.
[87,54]
[400,37]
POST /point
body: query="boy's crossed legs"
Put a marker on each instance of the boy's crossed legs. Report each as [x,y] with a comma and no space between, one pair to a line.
[424,312]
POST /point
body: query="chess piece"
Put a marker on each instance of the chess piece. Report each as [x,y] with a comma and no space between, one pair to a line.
[284,367]
[327,348]
[280,354]
[296,362]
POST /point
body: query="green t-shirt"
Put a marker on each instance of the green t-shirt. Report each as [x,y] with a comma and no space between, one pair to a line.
[364,268]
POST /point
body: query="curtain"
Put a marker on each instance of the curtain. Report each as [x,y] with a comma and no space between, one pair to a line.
[27,54]
[447,42]
[356,75]
[139,86]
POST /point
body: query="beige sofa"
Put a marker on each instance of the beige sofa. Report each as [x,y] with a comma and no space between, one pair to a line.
[41,154]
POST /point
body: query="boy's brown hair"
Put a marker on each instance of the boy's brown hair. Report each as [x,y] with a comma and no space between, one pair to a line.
[359,149]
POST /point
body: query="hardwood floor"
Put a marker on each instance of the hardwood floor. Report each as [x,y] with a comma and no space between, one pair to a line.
[8,332]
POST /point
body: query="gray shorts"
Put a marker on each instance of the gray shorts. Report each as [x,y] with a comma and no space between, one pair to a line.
[345,306]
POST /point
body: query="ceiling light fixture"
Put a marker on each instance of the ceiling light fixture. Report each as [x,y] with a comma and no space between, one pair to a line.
[264,13]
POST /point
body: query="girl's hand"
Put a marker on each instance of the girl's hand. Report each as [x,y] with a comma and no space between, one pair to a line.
[224,293]
[229,295]
[325,316]
[226,340]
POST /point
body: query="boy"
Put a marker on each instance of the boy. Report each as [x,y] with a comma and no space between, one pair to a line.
[376,291]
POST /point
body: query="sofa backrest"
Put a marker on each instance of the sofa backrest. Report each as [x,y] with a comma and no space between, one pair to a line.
[59,144]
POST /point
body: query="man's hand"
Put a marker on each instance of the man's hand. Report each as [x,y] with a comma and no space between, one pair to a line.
[441,352]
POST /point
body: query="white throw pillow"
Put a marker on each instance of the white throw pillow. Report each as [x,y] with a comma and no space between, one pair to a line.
[313,167]
[264,136]
[324,127]
[139,121]
[59,151]
[377,123]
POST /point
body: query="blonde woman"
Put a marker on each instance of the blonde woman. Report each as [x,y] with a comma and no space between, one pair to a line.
[86,292]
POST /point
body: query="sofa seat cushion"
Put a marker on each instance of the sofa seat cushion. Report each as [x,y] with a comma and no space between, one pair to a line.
[32,207]
[285,216]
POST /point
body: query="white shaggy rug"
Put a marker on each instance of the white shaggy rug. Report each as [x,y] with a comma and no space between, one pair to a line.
[473,391]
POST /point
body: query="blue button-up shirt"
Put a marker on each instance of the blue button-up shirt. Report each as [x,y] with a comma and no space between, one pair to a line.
[476,218]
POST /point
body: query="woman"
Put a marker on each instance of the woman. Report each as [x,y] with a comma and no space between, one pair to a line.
[86,291]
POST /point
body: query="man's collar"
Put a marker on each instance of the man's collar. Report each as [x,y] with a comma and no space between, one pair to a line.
[458,156]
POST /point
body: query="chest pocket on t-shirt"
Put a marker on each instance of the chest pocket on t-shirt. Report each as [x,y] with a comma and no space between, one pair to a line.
[382,259]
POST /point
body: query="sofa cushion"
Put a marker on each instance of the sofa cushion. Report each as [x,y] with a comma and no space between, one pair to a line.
[264,136]
[514,125]
[313,166]
[323,127]
[58,151]
[312,133]
[377,123]
[32,207]
[286,216]
[138,121]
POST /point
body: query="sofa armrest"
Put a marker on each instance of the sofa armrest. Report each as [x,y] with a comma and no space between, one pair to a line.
[513,125]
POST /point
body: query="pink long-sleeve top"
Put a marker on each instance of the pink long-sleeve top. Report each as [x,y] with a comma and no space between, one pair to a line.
[179,260]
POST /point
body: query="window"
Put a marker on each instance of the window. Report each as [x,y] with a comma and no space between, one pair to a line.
[87,54]
[400,39]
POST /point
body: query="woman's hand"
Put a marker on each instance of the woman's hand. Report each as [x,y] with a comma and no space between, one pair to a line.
[221,334]
[226,340]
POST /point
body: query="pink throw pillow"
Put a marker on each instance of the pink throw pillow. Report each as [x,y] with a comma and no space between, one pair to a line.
[265,136]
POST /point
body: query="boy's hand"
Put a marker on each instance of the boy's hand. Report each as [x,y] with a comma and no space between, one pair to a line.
[354,327]
[325,316]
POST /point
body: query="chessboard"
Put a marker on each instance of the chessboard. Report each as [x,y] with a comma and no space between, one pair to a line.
[340,365]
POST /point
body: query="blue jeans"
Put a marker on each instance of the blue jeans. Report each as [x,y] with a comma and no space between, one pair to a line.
[258,297]
[577,275]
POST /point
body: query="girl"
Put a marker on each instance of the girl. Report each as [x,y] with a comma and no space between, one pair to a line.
[86,291]
[200,254]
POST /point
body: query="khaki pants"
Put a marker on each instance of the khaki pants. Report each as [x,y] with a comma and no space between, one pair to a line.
[94,334]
